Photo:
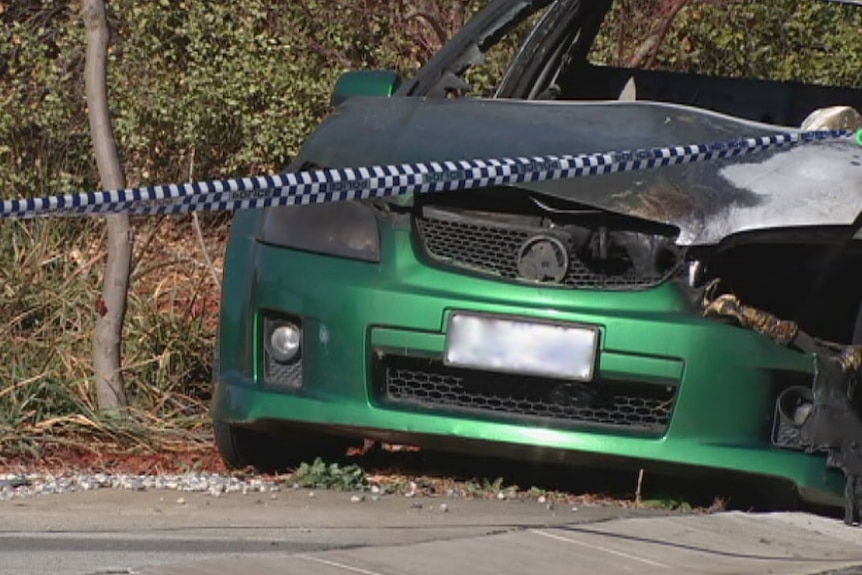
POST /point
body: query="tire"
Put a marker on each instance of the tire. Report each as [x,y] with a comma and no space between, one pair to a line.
[240,448]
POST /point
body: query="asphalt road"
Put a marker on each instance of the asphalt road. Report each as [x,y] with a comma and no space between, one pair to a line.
[165,532]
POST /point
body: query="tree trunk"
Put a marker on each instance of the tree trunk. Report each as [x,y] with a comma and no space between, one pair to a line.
[111,307]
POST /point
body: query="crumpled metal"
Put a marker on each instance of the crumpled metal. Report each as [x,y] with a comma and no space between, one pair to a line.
[729,306]
[851,358]
[833,424]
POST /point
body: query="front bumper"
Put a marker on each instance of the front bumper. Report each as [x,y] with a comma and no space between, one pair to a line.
[355,315]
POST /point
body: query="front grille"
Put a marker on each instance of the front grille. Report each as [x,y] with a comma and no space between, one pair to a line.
[489,247]
[428,384]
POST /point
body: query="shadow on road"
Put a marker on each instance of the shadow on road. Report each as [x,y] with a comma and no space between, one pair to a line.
[661,488]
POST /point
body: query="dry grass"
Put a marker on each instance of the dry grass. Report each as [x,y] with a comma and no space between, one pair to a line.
[50,274]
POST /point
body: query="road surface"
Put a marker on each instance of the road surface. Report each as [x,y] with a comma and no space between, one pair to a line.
[297,531]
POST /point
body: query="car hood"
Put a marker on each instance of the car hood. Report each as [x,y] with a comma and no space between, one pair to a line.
[815,184]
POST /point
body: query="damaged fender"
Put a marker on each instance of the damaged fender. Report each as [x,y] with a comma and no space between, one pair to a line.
[824,417]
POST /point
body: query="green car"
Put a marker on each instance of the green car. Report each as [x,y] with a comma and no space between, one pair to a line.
[691,318]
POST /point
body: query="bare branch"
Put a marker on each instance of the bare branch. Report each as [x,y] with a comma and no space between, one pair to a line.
[432,21]
[198,232]
[647,52]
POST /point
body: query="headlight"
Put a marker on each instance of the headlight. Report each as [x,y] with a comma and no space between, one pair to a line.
[345,229]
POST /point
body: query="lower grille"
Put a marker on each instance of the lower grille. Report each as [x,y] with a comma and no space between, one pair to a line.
[422,383]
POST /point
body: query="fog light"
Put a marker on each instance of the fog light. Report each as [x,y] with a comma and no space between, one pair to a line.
[284,342]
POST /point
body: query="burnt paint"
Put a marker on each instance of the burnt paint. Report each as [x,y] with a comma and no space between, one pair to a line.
[705,201]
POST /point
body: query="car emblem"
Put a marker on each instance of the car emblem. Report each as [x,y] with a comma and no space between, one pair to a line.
[543,259]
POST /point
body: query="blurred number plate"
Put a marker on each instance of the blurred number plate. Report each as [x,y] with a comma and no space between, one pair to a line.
[526,347]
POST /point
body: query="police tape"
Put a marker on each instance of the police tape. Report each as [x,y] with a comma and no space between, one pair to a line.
[331,185]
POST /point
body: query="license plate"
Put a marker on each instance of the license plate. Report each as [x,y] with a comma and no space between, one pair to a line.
[521,346]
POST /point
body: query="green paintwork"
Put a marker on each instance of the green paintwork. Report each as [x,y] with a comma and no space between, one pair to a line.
[365,83]
[725,374]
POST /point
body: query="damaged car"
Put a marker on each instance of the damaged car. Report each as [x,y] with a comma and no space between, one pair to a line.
[694,317]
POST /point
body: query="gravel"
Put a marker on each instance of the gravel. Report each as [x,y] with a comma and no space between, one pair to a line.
[22,486]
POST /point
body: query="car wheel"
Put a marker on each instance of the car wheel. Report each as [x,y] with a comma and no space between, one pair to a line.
[240,448]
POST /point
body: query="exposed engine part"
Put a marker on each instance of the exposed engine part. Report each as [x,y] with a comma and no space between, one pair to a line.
[822,418]
[729,306]
[695,274]
[808,276]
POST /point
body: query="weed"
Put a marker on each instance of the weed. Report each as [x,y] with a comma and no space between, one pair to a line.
[486,488]
[195,467]
[670,503]
[320,475]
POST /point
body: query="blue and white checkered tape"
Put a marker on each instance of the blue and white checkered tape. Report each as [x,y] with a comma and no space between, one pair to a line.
[330,185]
